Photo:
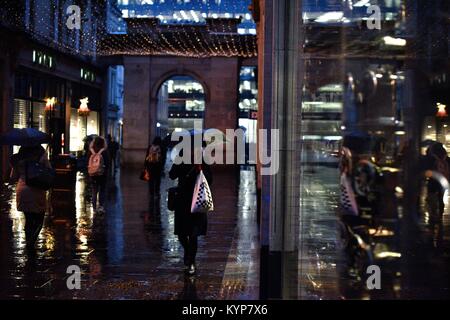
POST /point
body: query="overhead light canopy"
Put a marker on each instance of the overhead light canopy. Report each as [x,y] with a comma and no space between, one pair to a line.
[390,41]
[332,16]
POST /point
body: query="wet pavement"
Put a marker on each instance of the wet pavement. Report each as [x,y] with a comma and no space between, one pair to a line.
[130,252]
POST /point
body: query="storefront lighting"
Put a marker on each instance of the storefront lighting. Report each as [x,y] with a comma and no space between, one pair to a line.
[332,138]
[390,41]
[400,133]
[84,109]
[441,113]
[50,104]
[389,254]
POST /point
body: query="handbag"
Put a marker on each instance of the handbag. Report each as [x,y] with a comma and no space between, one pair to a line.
[38,175]
[172,198]
[173,194]
[202,201]
[145,175]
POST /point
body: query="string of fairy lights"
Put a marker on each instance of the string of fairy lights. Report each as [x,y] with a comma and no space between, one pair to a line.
[211,37]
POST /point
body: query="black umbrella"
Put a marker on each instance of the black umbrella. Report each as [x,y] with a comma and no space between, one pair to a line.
[27,137]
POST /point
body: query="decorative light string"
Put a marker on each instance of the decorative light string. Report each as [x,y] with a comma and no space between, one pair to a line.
[184,38]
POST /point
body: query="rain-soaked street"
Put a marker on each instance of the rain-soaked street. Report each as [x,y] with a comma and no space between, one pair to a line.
[130,252]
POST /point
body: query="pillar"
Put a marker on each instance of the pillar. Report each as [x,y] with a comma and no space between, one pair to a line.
[281,86]
[136,111]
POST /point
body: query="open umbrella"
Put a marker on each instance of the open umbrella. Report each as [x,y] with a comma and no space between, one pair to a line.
[27,137]
[196,132]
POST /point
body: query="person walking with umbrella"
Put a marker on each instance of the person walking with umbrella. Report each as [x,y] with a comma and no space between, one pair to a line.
[30,198]
[189,226]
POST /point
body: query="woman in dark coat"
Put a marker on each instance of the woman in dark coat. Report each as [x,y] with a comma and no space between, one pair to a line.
[30,200]
[188,226]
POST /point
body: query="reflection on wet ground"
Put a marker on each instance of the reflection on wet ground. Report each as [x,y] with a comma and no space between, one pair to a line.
[323,267]
[130,252]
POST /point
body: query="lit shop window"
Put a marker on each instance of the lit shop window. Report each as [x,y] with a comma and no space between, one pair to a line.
[80,127]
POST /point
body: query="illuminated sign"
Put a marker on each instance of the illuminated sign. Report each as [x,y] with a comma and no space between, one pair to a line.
[87,75]
[43,59]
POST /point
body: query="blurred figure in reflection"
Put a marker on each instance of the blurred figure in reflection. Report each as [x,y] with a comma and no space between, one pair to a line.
[436,159]
[31,201]
[189,289]
[348,200]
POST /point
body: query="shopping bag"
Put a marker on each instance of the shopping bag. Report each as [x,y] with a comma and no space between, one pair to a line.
[202,201]
[348,199]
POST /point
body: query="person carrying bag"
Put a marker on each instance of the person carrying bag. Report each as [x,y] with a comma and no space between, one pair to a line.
[97,172]
[33,174]
[193,188]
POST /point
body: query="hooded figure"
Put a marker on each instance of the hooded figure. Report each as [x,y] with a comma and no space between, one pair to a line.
[31,201]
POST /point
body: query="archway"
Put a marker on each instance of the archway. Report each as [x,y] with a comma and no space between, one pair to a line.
[180,102]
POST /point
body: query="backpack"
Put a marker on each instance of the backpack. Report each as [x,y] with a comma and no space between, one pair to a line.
[38,175]
[154,154]
[96,166]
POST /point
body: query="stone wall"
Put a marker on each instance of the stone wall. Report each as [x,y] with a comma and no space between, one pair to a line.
[143,78]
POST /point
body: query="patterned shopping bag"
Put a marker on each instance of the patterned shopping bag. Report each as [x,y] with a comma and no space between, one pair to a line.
[202,201]
[348,199]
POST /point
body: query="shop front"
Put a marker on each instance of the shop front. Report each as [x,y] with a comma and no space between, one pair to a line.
[39,102]
[44,102]
[85,117]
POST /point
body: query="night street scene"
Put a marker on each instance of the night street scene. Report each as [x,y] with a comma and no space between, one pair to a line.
[224,150]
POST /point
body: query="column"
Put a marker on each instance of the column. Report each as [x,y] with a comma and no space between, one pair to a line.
[136,110]
[280,89]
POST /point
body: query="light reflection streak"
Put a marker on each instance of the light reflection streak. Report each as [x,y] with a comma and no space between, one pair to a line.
[84,218]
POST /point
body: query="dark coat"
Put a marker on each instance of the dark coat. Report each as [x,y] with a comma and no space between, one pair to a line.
[28,199]
[187,223]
